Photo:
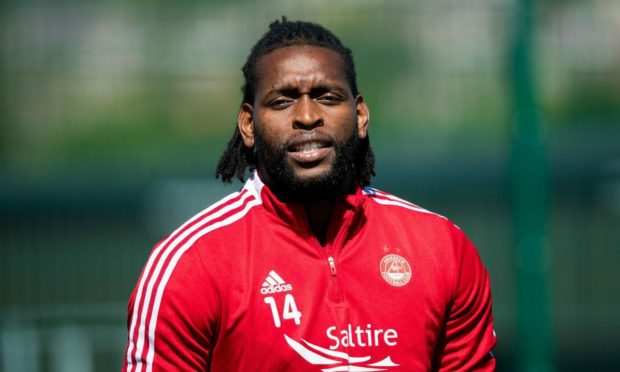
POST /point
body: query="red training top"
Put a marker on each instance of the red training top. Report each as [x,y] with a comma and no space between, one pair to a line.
[246,286]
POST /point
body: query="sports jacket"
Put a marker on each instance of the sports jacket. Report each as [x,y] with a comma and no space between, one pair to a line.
[245,286]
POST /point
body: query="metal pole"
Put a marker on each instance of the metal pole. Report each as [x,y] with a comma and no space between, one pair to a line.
[530,194]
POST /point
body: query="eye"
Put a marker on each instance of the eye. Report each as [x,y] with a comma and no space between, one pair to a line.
[329,99]
[280,103]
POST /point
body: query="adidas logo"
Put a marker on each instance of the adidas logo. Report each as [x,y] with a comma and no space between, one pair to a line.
[275,284]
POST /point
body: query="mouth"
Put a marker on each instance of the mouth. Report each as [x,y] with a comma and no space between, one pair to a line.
[307,151]
[308,146]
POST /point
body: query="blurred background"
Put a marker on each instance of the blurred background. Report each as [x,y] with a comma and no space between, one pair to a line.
[503,115]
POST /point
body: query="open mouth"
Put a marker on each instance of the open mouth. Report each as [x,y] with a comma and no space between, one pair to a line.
[308,146]
[309,151]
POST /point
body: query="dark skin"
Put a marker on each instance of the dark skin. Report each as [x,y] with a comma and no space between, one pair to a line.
[302,97]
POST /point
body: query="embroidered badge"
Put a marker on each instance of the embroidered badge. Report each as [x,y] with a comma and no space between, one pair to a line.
[395,270]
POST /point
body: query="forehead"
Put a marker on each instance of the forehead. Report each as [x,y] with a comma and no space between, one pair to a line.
[300,63]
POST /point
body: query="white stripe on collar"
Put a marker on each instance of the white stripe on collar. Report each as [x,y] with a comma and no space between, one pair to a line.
[254,185]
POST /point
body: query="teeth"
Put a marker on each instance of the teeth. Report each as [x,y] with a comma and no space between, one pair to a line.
[310,146]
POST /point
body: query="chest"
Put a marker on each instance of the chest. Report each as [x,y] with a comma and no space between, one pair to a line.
[291,304]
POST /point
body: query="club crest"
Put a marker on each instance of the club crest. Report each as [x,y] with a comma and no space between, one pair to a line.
[395,270]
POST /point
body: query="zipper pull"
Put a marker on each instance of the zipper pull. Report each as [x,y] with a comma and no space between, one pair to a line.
[332,265]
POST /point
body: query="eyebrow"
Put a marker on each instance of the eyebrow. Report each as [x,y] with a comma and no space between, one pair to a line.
[322,86]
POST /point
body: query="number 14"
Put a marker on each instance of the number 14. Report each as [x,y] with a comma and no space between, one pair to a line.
[290,310]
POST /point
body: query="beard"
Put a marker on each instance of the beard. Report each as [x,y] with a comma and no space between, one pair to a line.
[290,187]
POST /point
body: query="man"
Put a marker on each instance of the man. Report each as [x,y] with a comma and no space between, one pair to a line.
[307,268]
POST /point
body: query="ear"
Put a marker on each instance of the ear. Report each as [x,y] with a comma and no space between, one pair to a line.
[363,117]
[245,123]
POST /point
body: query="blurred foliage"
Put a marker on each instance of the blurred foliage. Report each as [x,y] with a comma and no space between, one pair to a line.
[135,84]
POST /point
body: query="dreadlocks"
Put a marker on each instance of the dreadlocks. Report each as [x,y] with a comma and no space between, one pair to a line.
[237,157]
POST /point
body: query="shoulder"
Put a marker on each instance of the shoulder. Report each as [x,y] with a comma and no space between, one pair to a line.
[213,221]
[391,204]
[227,211]
[177,263]
[402,214]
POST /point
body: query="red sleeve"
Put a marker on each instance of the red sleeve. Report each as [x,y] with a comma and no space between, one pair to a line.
[179,327]
[468,336]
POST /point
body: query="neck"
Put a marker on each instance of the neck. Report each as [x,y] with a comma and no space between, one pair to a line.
[318,203]
[319,214]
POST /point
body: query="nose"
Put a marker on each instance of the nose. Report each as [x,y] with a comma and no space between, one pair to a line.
[307,114]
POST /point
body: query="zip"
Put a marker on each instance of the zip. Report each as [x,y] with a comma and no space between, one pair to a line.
[338,291]
[332,265]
